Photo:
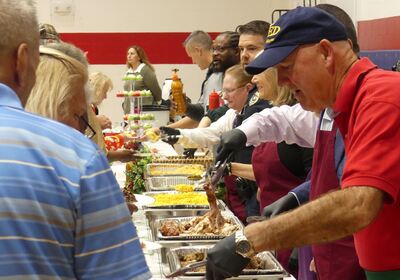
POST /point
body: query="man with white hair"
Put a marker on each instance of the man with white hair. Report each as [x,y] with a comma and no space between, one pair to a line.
[63,215]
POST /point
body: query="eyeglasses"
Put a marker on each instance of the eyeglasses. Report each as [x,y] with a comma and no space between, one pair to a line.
[227,91]
[85,127]
[221,49]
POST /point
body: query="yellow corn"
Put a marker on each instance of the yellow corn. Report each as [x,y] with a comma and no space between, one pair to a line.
[184,188]
[186,198]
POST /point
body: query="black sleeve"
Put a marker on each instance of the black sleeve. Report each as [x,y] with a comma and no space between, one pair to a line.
[296,159]
[195,111]
[215,114]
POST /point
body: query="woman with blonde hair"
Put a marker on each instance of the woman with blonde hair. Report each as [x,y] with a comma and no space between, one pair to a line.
[100,85]
[60,89]
[276,167]
[139,65]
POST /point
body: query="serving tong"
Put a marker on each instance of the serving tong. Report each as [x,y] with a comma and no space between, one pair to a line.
[181,271]
[212,175]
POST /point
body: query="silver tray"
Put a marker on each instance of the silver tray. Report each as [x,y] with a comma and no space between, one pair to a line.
[167,168]
[153,214]
[272,268]
[175,206]
[185,237]
[167,183]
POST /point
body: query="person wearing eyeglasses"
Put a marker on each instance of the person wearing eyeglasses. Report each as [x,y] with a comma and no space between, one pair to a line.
[242,102]
[63,214]
[220,54]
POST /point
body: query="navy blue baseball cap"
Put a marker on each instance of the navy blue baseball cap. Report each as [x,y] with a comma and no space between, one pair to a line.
[300,26]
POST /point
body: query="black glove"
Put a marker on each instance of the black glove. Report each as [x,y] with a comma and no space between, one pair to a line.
[230,141]
[189,153]
[170,134]
[223,261]
[285,203]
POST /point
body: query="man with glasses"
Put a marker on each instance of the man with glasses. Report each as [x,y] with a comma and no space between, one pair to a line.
[224,53]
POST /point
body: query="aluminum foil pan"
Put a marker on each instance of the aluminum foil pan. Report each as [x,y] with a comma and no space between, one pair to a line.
[206,161]
[185,237]
[170,169]
[271,268]
[174,206]
[167,183]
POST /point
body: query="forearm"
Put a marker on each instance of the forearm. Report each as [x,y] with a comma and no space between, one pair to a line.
[205,122]
[331,217]
[290,124]
[242,170]
[202,137]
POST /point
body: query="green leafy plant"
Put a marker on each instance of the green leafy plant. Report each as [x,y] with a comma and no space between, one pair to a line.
[135,171]
[220,191]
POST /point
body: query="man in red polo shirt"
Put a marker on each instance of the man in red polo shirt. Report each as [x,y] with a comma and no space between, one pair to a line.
[313,56]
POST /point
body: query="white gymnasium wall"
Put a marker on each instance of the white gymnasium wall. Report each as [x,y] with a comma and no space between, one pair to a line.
[179,16]
[361,10]
[155,16]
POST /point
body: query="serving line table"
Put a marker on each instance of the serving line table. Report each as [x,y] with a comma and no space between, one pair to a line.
[152,250]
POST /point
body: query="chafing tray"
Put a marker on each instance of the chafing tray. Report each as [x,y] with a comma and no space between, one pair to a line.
[167,183]
[167,244]
[185,237]
[203,160]
[174,206]
[271,270]
[170,169]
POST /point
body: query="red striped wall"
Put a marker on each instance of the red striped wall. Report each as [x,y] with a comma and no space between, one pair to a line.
[110,48]
[379,34]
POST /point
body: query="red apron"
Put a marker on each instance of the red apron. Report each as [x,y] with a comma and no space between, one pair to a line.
[234,201]
[334,260]
[274,181]
[273,178]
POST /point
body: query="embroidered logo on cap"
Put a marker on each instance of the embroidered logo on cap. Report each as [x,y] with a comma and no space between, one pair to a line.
[273,30]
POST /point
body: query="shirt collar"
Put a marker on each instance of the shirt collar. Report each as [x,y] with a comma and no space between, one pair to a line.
[9,98]
[348,90]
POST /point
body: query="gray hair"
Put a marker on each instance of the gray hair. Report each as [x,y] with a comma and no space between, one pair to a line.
[18,24]
[200,38]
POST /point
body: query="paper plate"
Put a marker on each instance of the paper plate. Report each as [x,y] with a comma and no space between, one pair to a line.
[143,200]
[149,246]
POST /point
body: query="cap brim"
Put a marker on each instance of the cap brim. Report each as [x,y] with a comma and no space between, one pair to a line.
[269,58]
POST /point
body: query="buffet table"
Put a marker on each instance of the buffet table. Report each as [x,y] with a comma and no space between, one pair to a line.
[152,250]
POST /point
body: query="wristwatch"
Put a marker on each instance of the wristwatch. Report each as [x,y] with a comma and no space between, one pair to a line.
[243,246]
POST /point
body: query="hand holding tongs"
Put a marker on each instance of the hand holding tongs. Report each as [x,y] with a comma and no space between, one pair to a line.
[186,268]
[216,172]
[169,135]
[213,174]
